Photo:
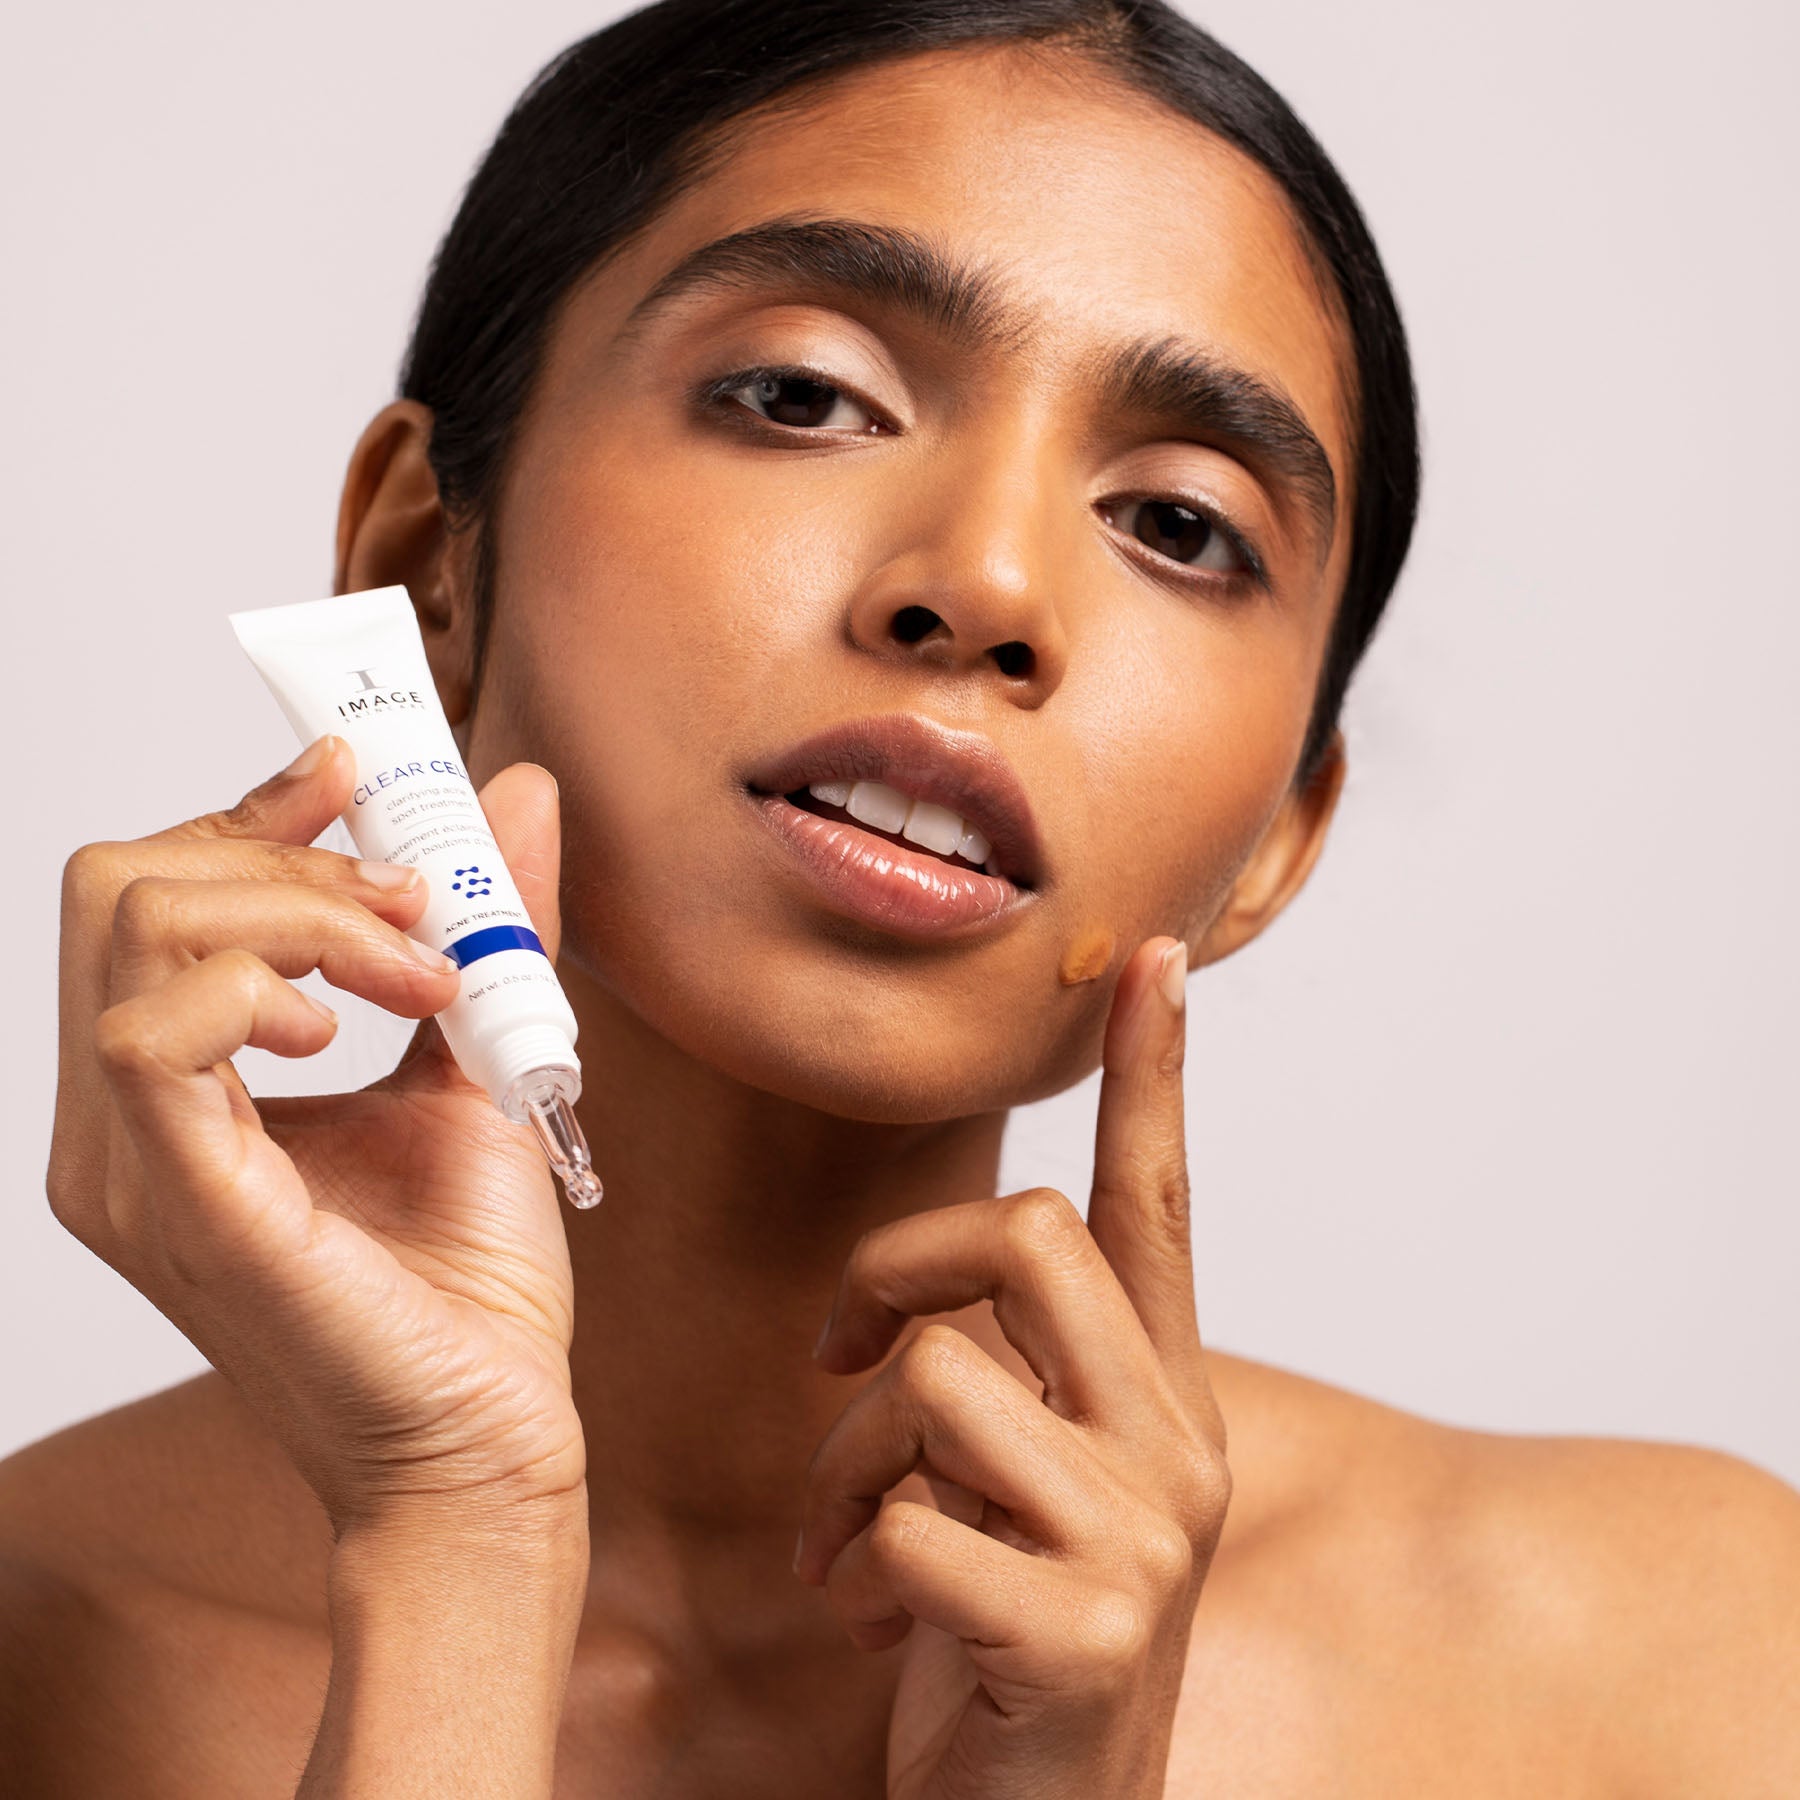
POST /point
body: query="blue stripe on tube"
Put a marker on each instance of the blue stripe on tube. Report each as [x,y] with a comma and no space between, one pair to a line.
[478,944]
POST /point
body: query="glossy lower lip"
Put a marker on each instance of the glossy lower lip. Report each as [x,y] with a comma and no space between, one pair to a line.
[872,879]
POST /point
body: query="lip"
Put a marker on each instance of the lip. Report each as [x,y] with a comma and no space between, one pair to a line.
[960,770]
[870,878]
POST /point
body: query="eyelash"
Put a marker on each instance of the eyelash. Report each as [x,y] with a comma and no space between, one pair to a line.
[1253,569]
[713,395]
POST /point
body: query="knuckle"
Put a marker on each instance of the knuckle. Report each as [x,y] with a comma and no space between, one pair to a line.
[224,821]
[145,908]
[65,1193]
[1176,1195]
[932,1363]
[246,970]
[1113,1634]
[90,869]
[1172,1058]
[897,1533]
[1166,1554]
[1221,1484]
[1161,1170]
[302,863]
[1042,1223]
[1205,1484]
[121,1042]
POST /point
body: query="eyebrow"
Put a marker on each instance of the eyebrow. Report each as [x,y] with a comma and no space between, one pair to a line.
[1243,410]
[895,267]
[1184,386]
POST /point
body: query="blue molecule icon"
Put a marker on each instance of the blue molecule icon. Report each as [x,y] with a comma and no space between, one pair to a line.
[471,883]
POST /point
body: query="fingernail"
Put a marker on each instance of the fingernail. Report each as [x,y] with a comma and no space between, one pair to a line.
[429,957]
[318,1006]
[799,1540]
[824,1333]
[1173,975]
[312,757]
[388,875]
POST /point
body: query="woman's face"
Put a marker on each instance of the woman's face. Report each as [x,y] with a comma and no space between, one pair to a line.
[685,587]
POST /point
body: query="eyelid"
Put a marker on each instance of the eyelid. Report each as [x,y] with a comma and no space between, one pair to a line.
[720,387]
[711,391]
[1255,569]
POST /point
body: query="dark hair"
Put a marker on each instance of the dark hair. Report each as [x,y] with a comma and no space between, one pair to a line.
[613,127]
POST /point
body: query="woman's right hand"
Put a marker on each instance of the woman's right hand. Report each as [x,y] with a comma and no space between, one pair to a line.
[383,1274]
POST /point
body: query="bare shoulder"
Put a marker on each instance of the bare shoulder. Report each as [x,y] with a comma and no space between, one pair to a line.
[1670,1576]
[142,1551]
[1609,1616]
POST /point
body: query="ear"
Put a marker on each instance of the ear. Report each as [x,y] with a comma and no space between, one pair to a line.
[1280,864]
[392,531]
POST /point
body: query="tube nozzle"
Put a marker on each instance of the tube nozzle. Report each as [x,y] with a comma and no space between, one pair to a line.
[559,1132]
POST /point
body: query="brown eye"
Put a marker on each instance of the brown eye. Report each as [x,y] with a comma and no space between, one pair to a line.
[798,400]
[1185,536]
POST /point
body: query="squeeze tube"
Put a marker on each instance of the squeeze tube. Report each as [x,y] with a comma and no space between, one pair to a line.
[355,665]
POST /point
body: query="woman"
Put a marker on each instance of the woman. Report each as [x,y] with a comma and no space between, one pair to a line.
[1001,405]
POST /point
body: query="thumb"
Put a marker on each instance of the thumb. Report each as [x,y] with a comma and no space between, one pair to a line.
[524,810]
[525,816]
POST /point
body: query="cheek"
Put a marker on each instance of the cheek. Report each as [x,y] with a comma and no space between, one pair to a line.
[1175,807]
[667,616]
[688,576]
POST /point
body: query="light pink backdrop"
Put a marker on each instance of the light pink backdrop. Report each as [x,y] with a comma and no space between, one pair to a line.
[1498,1123]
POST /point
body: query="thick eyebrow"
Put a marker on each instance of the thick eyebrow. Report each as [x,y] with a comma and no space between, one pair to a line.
[1184,386]
[1217,400]
[883,262]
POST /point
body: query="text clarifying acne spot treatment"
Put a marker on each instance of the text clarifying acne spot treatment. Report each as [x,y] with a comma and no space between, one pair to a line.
[355,665]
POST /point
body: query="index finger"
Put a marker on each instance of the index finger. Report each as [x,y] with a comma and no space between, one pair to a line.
[1138,1208]
[272,825]
[293,806]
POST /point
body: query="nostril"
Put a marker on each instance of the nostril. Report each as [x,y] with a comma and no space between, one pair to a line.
[913,622]
[1014,658]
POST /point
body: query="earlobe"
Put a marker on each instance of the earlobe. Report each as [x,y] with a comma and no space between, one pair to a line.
[392,531]
[1278,868]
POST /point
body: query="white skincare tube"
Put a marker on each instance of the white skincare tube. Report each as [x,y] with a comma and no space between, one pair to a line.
[355,665]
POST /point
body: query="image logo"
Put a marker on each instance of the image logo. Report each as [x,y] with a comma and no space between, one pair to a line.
[471,883]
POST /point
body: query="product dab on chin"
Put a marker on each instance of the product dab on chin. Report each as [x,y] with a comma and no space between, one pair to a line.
[355,665]
[1086,958]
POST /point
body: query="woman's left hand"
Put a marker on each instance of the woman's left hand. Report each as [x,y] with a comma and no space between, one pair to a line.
[1056,1625]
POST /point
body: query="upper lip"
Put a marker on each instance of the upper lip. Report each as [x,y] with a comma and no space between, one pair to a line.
[928,761]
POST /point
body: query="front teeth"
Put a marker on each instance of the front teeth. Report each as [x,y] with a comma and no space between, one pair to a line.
[920,821]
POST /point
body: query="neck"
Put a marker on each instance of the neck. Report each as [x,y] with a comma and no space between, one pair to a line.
[703,1278]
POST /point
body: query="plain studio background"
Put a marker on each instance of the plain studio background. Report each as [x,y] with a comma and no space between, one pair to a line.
[1496,1123]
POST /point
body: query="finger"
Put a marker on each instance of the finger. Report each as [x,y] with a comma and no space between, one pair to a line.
[292,807]
[1053,1293]
[945,1402]
[523,811]
[1138,1211]
[296,803]
[522,806]
[97,874]
[161,925]
[160,1051]
[1024,1619]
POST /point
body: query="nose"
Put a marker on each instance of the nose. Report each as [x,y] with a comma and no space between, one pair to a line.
[968,575]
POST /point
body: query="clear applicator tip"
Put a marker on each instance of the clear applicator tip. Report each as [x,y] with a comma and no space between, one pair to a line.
[553,1119]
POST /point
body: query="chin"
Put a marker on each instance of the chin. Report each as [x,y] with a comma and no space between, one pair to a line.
[882,1059]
